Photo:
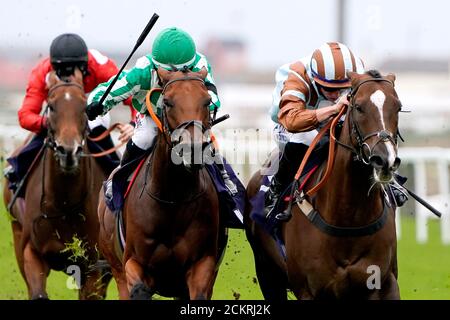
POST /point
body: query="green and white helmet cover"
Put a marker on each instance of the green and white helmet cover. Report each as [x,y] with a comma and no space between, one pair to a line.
[173,47]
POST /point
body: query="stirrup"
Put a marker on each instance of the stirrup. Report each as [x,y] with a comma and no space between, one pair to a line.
[232,189]
[284,216]
[8,172]
[108,189]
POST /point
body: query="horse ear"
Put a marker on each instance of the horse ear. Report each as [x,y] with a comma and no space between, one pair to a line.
[163,74]
[391,77]
[78,76]
[354,77]
[51,79]
[203,73]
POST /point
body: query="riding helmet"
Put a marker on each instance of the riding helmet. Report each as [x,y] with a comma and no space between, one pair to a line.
[173,47]
[68,47]
[330,63]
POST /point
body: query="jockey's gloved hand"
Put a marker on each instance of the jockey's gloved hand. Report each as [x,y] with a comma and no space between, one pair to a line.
[93,110]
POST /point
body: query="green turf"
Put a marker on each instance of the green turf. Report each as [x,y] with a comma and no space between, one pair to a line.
[424,270]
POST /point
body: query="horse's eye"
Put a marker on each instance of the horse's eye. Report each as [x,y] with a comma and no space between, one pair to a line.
[358,108]
[167,103]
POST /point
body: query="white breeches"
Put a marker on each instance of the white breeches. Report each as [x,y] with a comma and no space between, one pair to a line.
[145,131]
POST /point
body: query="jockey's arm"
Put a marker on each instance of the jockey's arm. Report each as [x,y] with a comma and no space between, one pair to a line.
[211,86]
[29,113]
[106,72]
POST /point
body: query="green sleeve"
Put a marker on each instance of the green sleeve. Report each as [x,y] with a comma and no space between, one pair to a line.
[129,83]
[201,62]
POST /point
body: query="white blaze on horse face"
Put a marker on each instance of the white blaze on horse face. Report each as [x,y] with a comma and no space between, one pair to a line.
[378,98]
[67,96]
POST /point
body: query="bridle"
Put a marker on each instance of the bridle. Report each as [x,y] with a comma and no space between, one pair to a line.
[175,134]
[363,151]
[50,140]
[69,209]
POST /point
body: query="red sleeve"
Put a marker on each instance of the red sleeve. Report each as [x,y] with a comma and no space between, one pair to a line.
[29,113]
[106,71]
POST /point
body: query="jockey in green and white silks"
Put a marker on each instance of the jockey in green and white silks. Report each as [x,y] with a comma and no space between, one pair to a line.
[171,47]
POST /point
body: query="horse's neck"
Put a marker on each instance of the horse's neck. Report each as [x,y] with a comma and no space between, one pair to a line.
[345,198]
[170,181]
[65,189]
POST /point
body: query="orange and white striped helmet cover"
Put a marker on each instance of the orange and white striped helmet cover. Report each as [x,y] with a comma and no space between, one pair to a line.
[330,63]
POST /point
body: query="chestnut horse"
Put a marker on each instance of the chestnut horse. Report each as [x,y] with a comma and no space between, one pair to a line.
[346,247]
[56,225]
[171,213]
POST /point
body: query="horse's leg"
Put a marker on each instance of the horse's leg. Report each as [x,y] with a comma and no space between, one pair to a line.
[200,278]
[389,289]
[93,286]
[134,274]
[17,236]
[36,271]
[271,279]
[121,282]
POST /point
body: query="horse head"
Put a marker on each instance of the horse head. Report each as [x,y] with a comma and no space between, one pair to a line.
[373,120]
[67,121]
[186,115]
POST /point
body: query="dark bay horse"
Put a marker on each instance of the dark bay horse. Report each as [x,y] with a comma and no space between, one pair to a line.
[171,214]
[56,225]
[350,250]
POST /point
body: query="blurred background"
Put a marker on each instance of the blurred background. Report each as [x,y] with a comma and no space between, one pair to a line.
[245,42]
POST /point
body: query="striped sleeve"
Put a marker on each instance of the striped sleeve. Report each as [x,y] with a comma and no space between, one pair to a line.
[203,62]
[295,96]
[129,83]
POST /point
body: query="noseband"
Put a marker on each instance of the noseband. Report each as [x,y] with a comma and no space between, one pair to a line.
[362,145]
[176,138]
[50,141]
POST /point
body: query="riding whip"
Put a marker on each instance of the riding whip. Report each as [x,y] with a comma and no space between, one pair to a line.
[143,35]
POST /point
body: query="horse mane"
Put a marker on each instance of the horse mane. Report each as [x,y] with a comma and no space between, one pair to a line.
[374,74]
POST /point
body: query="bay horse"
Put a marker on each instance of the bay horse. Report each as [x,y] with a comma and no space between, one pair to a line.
[55,225]
[171,213]
[332,251]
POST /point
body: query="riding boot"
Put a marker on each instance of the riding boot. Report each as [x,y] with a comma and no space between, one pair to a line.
[10,175]
[229,184]
[399,193]
[132,152]
[106,143]
[287,167]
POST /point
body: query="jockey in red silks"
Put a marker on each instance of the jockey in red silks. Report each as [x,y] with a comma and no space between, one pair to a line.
[67,52]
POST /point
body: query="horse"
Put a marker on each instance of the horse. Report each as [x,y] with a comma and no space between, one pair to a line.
[344,247]
[171,213]
[55,225]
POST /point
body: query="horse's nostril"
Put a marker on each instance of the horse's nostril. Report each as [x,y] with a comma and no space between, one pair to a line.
[397,163]
[79,150]
[377,161]
[61,150]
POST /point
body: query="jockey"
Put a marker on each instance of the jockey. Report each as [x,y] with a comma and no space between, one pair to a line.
[67,52]
[308,93]
[172,47]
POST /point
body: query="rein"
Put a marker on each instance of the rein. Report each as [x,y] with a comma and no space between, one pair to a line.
[166,131]
[330,127]
[52,145]
[299,198]
[164,126]
[102,136]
